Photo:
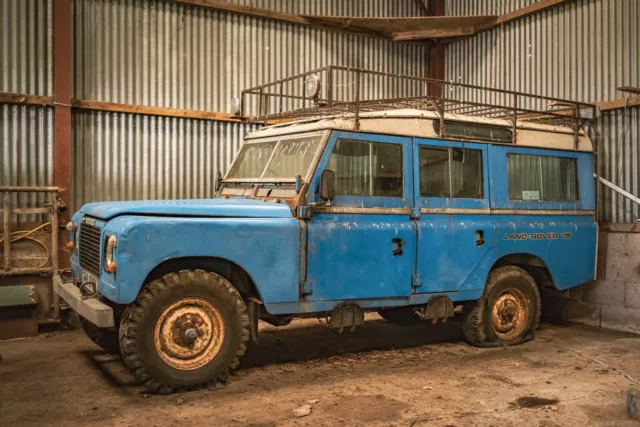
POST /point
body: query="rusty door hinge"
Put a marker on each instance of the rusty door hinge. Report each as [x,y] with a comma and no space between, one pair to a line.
[416,280]
[306,288]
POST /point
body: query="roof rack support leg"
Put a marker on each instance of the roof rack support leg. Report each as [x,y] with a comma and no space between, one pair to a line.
[515,118]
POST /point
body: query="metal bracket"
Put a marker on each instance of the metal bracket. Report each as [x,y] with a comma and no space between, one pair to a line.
[415,213]
[416,280]
[305,212]
[306,288]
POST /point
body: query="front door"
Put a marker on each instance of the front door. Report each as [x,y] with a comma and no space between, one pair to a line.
[363,244]
[454,230]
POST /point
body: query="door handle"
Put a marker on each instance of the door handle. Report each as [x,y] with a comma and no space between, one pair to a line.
[396,246]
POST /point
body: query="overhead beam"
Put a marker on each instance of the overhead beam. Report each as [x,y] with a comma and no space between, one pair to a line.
[436,53]
[279,16]
[22,98]
[62,24]
[433,33]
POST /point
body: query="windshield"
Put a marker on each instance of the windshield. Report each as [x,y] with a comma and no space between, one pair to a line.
[284,157]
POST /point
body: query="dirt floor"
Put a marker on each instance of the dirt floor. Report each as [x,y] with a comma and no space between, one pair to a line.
[379,375]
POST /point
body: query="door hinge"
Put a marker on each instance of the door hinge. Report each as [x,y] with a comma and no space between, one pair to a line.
[416,280]
[415,213]
[306,288]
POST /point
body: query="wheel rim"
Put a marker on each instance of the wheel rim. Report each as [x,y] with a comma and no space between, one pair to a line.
[189,333]
[510,314]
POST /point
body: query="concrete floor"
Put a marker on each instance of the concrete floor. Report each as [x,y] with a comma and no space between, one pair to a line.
[380,375]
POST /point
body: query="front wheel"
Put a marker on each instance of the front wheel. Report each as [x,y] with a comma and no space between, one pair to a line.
[507,313]
[184,329]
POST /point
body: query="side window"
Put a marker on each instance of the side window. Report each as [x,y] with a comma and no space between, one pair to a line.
[367,168]
[451,172]
[542,178]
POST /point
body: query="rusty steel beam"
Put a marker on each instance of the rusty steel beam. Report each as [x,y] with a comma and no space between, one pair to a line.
[436,53]
[62,23]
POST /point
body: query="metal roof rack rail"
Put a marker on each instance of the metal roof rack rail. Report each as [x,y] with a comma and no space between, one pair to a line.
[335,90]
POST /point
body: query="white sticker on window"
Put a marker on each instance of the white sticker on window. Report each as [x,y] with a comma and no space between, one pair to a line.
[530,195]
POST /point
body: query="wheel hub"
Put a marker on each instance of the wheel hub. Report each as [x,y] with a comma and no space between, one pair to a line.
[509,314]
[189,333]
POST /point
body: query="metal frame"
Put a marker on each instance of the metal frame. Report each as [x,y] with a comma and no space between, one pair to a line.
[327,104]
[52,209]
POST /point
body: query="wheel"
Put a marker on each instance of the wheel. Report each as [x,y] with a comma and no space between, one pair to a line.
[507,313]
[400,316]
[184,329]
[105,338]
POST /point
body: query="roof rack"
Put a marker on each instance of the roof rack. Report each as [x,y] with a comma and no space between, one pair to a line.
[335,90]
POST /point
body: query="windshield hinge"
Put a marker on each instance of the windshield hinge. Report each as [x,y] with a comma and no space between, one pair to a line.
[305,212]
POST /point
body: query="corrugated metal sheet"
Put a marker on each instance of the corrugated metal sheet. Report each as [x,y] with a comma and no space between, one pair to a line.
[26,151]
[583,50]
[169,55]
[484,7]
[162,54]
[25,46]
[119,156]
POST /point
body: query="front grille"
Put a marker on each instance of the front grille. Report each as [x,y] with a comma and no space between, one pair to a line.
[90,248]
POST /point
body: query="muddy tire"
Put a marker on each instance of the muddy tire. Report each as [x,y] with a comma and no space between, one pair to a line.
[105,338]
[508,312]
[184,330]
[400,316]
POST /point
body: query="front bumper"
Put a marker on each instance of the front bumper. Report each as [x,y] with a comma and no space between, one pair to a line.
[91,309]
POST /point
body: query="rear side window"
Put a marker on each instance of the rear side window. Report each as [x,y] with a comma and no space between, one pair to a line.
[542,178]
[367,168]
[451,172]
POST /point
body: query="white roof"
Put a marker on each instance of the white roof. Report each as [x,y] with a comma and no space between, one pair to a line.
[419,123]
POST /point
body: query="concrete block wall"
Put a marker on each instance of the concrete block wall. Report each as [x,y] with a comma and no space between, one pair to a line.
[613,300]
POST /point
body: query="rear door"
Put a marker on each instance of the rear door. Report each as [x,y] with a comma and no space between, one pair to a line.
[455,232]
[363,244]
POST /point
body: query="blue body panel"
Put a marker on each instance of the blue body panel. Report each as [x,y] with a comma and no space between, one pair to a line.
[239,208]
[350,254]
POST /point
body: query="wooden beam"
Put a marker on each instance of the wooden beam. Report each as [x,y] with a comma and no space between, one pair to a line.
[633,101]
[630,89]
[531,9]
[152,111]
[291,18]
[522,12]
[21,98]
[433,33]
[436,53]
[62,45]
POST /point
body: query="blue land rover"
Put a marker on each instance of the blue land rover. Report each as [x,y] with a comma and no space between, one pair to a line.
[411,213]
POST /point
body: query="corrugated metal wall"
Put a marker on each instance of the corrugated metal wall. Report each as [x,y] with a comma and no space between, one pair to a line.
[583,50]
[162,54]
[25,67]
[484,7]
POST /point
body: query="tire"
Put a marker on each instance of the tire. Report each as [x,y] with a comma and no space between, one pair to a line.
[400,316]
[508,312]
[157,337]
[105,338]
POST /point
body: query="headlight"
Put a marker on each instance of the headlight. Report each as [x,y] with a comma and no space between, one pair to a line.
[76,239]
[109,254]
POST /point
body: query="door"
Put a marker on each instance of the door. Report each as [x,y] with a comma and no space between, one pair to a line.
[455,232]
[363,244]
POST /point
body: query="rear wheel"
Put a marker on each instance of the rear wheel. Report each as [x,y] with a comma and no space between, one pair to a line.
[105,338]
[508,312]
[185,329]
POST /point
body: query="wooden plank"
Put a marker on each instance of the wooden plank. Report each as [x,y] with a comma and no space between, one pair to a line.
[278,16]
[630,89]
[619,103]
[433,33]
[522,12]
[22,98]
[153,111]
[531,9]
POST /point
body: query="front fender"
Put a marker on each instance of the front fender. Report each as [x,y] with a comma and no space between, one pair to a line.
[266,248]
